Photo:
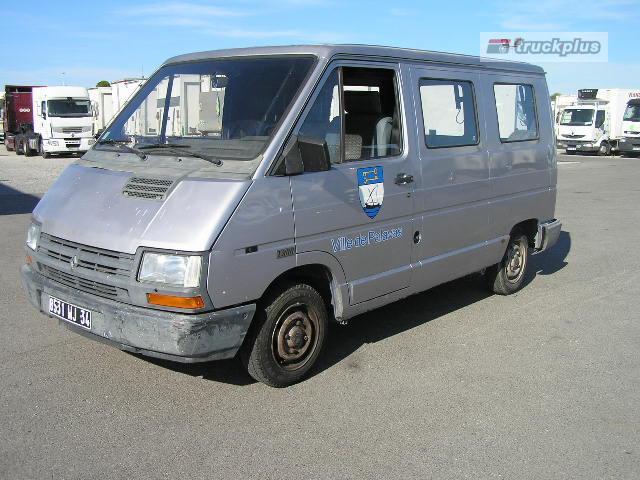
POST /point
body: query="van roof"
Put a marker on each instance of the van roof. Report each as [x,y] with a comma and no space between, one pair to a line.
[395,53]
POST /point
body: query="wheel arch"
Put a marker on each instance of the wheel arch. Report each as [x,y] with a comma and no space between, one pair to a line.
[321,271]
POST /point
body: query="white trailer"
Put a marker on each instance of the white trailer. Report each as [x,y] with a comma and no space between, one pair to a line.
[62,122]
[123,90]
[594,122]
[101,107]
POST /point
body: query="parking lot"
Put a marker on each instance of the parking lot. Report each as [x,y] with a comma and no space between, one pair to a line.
[451,383]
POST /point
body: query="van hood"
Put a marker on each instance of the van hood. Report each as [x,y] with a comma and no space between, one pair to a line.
[86,205]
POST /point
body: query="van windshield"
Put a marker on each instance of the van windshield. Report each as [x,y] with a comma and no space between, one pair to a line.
[226,108]
[69,107]
[577,117]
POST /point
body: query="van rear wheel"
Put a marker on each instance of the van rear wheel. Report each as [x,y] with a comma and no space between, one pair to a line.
[508,276]
[287,343]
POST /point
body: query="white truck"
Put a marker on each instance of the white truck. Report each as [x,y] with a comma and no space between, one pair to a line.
[630,142]
[101,107]
[594,122]
[62,122]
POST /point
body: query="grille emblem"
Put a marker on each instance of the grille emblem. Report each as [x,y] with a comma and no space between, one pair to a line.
[73,262]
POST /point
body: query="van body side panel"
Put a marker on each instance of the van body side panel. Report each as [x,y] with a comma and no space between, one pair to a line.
[522,172]
[451,201]
[245,258]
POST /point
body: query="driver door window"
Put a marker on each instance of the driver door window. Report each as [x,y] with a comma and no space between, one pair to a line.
[356,113]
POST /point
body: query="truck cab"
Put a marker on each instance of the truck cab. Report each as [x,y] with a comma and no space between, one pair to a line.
[630,143]
[584,127]
[63,121]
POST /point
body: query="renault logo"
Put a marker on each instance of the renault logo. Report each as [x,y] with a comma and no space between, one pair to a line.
[73,262]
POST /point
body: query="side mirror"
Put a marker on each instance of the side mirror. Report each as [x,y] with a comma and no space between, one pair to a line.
[44,115]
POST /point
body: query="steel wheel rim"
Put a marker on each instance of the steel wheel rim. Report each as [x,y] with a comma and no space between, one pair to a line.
[516,261]
[295,337]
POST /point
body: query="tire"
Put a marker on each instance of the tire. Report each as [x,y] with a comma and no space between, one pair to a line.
[25,148]
[18,145]
[508,276]
[290,337]
[604,150]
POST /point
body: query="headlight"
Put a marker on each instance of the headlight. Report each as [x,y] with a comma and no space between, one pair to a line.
[53,143]
[92,141]
[176,270]
[588,145]
[33,234]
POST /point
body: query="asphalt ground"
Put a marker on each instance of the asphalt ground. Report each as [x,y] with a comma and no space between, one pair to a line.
[451,383]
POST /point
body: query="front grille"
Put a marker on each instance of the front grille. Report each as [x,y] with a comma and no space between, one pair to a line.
[145,187]
[90,269]
[573,136]
[89,286]
[71,129]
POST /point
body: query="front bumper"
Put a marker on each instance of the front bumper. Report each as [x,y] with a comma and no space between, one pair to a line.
[186,338]
[629,145]
[548,234]
[570,146]
[67,145]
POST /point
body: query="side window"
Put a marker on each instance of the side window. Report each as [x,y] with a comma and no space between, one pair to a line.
[369,122]
[600,118]
[371,114]
[448,113]
[323,122]
[515,105]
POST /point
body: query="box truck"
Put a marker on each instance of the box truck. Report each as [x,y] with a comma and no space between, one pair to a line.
[594,122]
[630,141]
[48,120]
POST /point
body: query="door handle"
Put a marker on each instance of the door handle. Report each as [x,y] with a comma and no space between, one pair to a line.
[403,178]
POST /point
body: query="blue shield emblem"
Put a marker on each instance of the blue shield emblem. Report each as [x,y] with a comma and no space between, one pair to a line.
[371,189]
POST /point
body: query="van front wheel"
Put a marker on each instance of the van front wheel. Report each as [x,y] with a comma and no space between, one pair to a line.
[287,343]
[508,276]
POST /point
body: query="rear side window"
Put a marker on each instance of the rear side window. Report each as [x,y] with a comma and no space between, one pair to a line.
[515,105]
[448,113]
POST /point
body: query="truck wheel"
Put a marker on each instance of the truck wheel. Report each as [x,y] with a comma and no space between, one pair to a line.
[287,343]
[508,276]
[25,148]
[18,144]
[604,150]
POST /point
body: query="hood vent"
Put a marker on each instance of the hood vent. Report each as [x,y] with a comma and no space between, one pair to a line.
[145,187]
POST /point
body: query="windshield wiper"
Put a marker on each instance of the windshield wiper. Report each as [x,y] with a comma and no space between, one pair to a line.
[121,145]
[180,149]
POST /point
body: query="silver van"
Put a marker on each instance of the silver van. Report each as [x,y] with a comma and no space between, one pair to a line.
[243,199]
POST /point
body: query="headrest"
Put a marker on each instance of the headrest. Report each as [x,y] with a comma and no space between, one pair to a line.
[362,102]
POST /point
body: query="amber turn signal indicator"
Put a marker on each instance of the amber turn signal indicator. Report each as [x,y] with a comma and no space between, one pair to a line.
[175,302]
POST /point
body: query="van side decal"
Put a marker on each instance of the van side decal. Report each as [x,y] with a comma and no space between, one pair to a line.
[364,240]
[371,189]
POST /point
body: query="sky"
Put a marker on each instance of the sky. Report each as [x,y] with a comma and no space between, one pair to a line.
[80,43]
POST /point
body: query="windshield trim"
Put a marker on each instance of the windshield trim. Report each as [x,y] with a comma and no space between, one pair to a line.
[312,68]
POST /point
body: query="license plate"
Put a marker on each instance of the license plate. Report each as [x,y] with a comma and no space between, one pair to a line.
[70,313]
[571,148]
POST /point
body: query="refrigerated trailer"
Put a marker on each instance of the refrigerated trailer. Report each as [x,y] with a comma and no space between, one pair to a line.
[101,107]
[594,123]
[2,117]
